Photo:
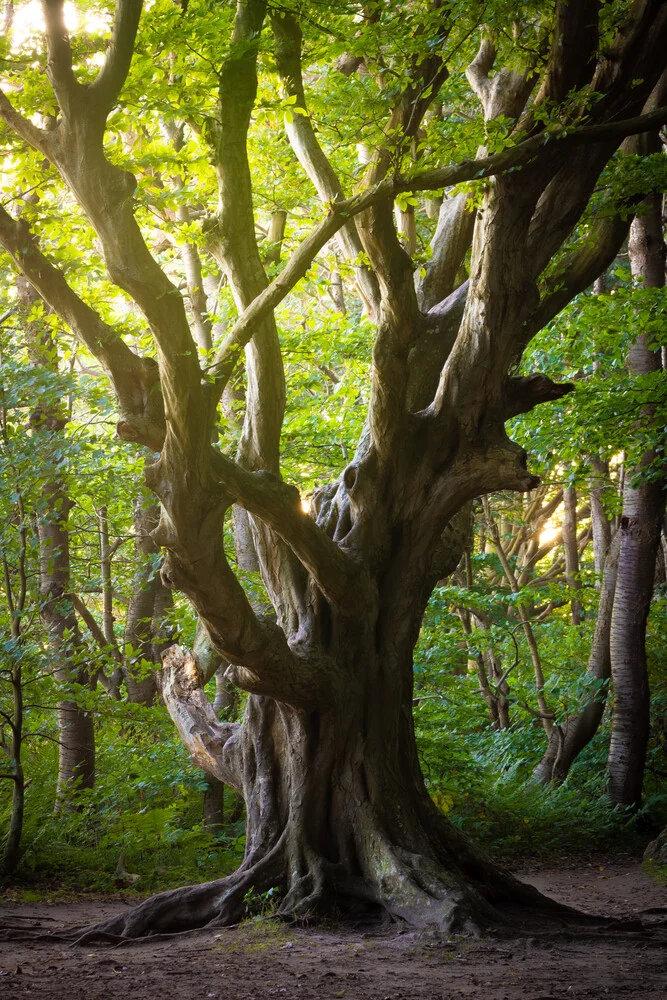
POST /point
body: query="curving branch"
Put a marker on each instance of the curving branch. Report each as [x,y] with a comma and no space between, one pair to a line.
[579,269]
[425,180]
[278,505]
[104,191]
[311,156]
[36,137]
[236,249]
[111,77]
[135,379]
[216,747]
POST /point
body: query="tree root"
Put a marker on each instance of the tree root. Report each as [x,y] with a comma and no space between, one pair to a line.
[406,888]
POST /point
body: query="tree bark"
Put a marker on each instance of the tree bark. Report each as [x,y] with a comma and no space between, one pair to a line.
[571,551]
[599,482]
[337,812]
[214,803]
[641,525]
[147,604]
[76,734]
[569,738]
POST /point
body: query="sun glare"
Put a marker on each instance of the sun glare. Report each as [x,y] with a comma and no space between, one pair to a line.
[548,535]
[29,21]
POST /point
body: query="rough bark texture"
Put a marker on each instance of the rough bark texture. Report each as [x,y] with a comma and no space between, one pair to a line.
[338,817]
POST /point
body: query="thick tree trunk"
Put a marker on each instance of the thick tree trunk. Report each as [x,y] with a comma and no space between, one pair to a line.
[338,817]
[641,524]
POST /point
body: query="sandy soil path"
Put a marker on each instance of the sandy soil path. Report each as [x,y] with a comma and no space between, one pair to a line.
[271,960]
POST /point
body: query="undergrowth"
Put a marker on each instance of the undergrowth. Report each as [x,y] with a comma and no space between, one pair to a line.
[138,831]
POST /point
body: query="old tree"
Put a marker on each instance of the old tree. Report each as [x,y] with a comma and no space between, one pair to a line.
[505,130]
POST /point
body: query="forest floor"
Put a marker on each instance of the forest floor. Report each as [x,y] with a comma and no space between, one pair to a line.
[269,959]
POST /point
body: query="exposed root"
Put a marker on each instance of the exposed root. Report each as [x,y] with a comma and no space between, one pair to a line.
[410,888]
[212,904]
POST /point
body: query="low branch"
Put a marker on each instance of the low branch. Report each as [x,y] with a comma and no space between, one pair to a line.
[525,392]
[215,746]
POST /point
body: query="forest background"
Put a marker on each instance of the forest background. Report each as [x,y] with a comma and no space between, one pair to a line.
[515,646]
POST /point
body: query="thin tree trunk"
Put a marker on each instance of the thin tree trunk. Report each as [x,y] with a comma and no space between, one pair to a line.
[641,523]
[113,682]
[16,608]
[76,764]
[16,604]
[545,716]
[214,803]
[598,483]
[570,738]
[571,551]
[147,589]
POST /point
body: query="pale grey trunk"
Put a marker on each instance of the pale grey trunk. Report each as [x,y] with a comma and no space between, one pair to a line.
[569,738]
[641,523]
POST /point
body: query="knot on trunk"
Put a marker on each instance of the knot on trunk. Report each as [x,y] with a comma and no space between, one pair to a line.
[180,672]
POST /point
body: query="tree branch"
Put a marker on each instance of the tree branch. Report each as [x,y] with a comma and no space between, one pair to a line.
[215,746]
[525,392]
[278,505]
[94,629]
[237,250]
[111,77]
[59,65]
[310,154]
[23,127]
[425,180]
[573,49]
[135,379]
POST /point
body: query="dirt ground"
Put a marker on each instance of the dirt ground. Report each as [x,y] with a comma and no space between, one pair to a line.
[258,960]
